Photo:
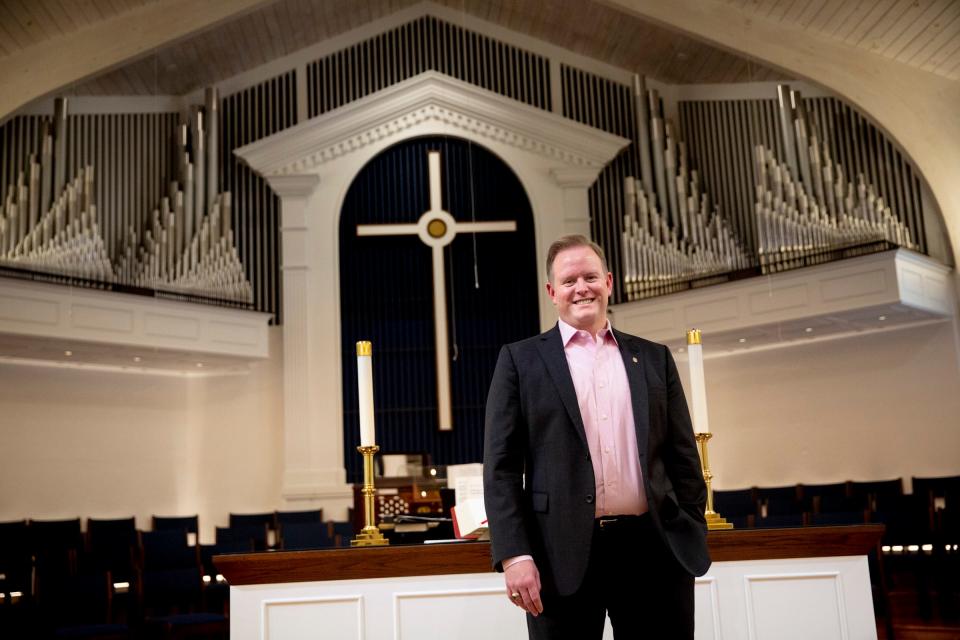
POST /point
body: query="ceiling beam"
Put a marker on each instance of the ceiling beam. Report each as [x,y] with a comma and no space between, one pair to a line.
[54,63]
[917,108]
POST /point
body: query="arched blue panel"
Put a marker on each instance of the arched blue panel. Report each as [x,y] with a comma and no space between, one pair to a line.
[386,295]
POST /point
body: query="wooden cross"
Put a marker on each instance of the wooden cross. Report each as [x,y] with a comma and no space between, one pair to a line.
[437,228]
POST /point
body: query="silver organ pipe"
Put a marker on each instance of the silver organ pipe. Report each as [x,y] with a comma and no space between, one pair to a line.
[60,232]
[212,113]
[810,213]
[671,236]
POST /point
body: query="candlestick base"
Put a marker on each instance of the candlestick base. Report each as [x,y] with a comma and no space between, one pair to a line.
[370,535]
[715,522]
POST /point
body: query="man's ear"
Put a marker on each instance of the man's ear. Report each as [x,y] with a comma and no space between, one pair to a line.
[551,292]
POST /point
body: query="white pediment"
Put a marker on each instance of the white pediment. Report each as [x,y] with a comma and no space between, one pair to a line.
[431,96]
[311,166]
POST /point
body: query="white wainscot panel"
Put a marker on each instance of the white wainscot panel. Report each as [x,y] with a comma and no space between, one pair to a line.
[243,335]
[853,285]
[314,618]
[28,311]
[106,318]
[802,598]
[796,606]
[469,614]
[706,609]
[165,325]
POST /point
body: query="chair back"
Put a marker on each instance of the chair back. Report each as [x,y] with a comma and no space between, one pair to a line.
[306,535]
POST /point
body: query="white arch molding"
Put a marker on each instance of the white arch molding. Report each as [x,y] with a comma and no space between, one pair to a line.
[311,166]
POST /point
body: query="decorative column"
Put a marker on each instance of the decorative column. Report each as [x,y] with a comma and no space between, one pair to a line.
[567,213]
[313,432]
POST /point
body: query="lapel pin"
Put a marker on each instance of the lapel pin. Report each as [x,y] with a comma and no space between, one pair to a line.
[635,358]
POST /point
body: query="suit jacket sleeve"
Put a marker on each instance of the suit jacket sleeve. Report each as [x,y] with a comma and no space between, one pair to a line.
[683,467]
[505,438]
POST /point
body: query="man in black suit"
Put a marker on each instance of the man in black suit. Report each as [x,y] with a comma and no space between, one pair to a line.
[592,480]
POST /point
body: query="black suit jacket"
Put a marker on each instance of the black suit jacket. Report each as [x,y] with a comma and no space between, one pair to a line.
[533,427]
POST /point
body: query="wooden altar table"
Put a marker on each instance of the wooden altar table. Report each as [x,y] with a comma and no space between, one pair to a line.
[781,584]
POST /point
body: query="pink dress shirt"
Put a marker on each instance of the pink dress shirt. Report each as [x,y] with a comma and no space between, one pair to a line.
[603,395]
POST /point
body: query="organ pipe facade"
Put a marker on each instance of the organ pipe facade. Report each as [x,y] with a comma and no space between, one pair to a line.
[157,200]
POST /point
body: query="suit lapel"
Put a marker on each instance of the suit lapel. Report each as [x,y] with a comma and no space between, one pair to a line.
[551,350]
[636,376]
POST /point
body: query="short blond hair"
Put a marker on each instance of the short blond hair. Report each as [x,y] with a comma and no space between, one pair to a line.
[569,242]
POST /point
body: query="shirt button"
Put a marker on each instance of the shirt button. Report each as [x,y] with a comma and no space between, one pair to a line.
[588,499]
[604,416]
[601,385]
[606,450]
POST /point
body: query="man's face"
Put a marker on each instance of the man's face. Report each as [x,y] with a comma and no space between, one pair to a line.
[580,288]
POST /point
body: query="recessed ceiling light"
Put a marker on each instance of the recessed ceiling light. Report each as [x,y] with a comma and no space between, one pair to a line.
[809,329]
[137,358]
[681,349]
[882,318]
[68,353]
[199,365]
[742,340]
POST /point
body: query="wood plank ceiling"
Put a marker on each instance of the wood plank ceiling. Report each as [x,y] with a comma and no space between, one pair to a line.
[924,34]
[921,33]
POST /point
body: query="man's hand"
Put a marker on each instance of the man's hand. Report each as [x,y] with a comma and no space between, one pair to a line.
[523,586]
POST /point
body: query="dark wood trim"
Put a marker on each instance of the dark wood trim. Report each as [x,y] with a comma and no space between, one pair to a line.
[474,557]
[801,542]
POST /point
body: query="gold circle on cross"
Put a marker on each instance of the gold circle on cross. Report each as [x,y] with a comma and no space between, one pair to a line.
[436,228]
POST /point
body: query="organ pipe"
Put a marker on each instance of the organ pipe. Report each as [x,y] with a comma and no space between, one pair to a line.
[60,232]
[809,213]
[671,236]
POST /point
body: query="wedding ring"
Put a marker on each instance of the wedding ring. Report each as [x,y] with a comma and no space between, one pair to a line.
[514,596]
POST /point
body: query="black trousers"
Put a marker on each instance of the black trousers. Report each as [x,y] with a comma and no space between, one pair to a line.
[632,577]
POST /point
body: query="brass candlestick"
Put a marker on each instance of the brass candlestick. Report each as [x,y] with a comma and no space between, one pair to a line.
[370,535]
[714,520]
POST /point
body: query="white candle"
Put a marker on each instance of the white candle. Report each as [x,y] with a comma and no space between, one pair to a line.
[365,392]
[698,390]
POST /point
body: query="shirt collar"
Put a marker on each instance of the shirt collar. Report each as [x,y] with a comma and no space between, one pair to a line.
[567,332]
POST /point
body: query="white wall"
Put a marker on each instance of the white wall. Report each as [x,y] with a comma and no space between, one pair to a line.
[111,444]
[101,444]
[240,445]
[877,406]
